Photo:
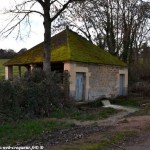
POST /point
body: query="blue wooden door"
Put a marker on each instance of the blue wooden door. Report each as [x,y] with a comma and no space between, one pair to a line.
[79,93]
[122,84]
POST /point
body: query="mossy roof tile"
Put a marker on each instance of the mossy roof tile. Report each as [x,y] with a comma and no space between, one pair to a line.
[67,46]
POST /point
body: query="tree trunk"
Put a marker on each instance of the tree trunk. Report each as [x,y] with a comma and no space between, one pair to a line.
[47,41]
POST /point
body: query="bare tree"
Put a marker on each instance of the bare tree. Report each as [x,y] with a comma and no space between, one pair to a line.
[49,10]
[118,26]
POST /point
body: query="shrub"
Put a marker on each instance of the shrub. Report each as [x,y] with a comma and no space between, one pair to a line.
[34,95]
[141,88]
[6,98]
[139,72]
[139,80]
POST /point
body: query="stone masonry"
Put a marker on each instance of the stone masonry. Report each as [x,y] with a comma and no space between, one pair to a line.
[100,80]
[103,81]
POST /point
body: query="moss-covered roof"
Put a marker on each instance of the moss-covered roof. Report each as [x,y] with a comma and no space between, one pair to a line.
[67,46]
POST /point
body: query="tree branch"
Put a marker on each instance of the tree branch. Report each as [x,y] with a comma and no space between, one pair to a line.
[26,12]
[11,29]
[53,2]
[61,10]
[40,2]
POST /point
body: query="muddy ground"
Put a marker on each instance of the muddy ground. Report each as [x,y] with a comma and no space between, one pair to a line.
[89,133]
[141,140]
[81,135]
[94,133]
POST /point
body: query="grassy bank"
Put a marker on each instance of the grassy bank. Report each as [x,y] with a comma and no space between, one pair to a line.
[13,133]
[84,114]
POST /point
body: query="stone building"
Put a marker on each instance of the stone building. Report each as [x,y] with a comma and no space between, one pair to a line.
[94,73]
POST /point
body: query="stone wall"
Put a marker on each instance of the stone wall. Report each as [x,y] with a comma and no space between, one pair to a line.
[104,81]
[101,80]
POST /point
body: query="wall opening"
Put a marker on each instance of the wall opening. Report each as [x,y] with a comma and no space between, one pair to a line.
[58,67]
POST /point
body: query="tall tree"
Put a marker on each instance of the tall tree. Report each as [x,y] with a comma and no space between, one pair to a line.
[49,10]
[118,26]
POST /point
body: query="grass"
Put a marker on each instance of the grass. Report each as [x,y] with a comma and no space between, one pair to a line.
[113,140]
[13,133]
[101,114]
[142,111]
[130,102]
[147,128]
[84,115]
[143,104]
[2,69]
[19,132]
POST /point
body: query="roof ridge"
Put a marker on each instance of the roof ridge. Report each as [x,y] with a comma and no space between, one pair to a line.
[77,33]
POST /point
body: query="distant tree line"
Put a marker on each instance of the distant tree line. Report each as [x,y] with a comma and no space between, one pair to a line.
[9,53]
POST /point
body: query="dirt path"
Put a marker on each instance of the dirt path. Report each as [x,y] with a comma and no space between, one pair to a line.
[140,124]
[103,122]
[83,133]
[93,134]
[80,130]
[112,120]
[139,142]
[142,142]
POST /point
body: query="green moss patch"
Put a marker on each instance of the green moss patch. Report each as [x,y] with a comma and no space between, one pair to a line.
[84,51]
[67,46]
[130,102]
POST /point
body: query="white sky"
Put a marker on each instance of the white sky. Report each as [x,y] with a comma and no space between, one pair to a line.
[35,37]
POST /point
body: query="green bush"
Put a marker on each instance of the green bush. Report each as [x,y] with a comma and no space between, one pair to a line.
[139,80]
[34,95]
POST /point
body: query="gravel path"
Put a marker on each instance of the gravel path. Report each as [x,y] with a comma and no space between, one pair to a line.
[65,136]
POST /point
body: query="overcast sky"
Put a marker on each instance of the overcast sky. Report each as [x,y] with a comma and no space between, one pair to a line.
[35,37]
